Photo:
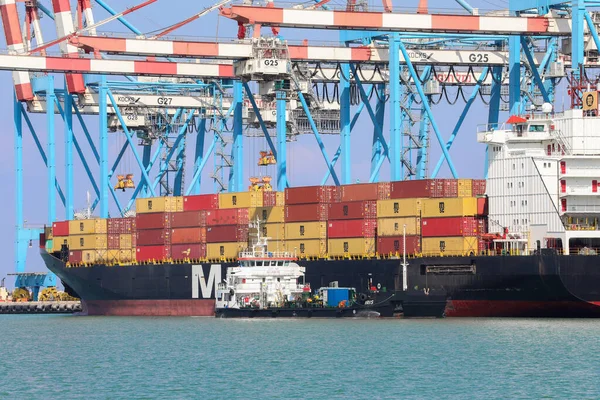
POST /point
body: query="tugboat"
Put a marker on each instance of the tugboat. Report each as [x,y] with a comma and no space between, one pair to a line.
[271,284]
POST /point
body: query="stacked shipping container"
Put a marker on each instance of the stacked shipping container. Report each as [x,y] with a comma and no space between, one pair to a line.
[440,216]
[305,217]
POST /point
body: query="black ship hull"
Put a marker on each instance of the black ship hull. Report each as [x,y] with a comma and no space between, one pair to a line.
[544,285]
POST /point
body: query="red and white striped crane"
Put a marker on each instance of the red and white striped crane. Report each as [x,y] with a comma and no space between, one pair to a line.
[398,22]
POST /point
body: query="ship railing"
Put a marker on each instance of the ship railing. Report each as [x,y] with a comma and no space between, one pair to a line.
[266,254]
[483,128]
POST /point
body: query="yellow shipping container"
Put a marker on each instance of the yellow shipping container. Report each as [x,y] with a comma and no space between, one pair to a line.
[126,255]
[306,230]
[240,200]
[398,208]
[93,256]
[58,241]
[179,204]
[125,242]
[449,246]
[88,242]
[273,231]
[159,204]
[224,250]
[351,247]
[276,245]
[280,199]
[307,247]
[113,256]
[465,188]
[449,207]
[87,226]
[395,226]
[269,215]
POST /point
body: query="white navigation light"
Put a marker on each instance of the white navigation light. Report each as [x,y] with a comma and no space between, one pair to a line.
[547,108]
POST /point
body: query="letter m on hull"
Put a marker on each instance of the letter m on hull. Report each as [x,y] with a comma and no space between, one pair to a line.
[202,284]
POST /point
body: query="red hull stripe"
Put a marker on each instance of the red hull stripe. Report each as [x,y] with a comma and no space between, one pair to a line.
[481,308]
[195,307]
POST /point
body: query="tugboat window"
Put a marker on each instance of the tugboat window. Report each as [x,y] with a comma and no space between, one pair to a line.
[149,204]
[264,215]
[301,230]
[396,208]
[234,200]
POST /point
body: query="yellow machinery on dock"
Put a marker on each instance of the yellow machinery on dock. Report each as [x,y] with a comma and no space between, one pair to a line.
[125,182]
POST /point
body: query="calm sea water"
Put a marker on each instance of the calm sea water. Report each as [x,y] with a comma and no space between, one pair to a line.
[66,357]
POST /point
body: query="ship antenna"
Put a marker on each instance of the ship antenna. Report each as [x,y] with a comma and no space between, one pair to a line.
[404,264]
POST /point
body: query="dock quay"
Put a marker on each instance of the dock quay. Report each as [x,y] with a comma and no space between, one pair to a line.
[40,307]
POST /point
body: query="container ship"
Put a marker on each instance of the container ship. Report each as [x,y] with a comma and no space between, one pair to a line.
[519,244]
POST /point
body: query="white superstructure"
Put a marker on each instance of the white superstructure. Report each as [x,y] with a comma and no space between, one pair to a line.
[263,279]
[543,173]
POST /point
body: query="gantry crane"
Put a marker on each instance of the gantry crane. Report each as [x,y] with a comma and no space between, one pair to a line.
[386,64]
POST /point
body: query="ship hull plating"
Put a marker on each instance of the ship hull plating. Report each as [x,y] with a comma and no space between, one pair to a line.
[544,285]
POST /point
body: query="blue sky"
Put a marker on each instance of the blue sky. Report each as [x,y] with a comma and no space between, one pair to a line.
[468,155]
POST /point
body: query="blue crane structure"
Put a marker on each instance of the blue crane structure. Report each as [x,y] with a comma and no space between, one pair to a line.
[159,100]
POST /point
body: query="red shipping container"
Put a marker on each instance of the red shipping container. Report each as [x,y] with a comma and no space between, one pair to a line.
[478,187]
[383,190]
[269,199]
[114,241]
[233,216]
[354,228]
[311,194]
[352,210]
[427,188]
[449,226]
[121,225]
[75,256]
[482,226]
[482,206]
[201,202]
[188,219]
[188,251]
[450,187]
[188,235]
[482,246]
[153,237]
[227,233]
[306,212]
[394,244]
[359,192]
[160,220]
[60,228]
[336,194]
[115,225]
[150,253]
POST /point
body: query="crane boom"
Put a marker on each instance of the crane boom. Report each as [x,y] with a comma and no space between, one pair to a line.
[243,50]
[399,22]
